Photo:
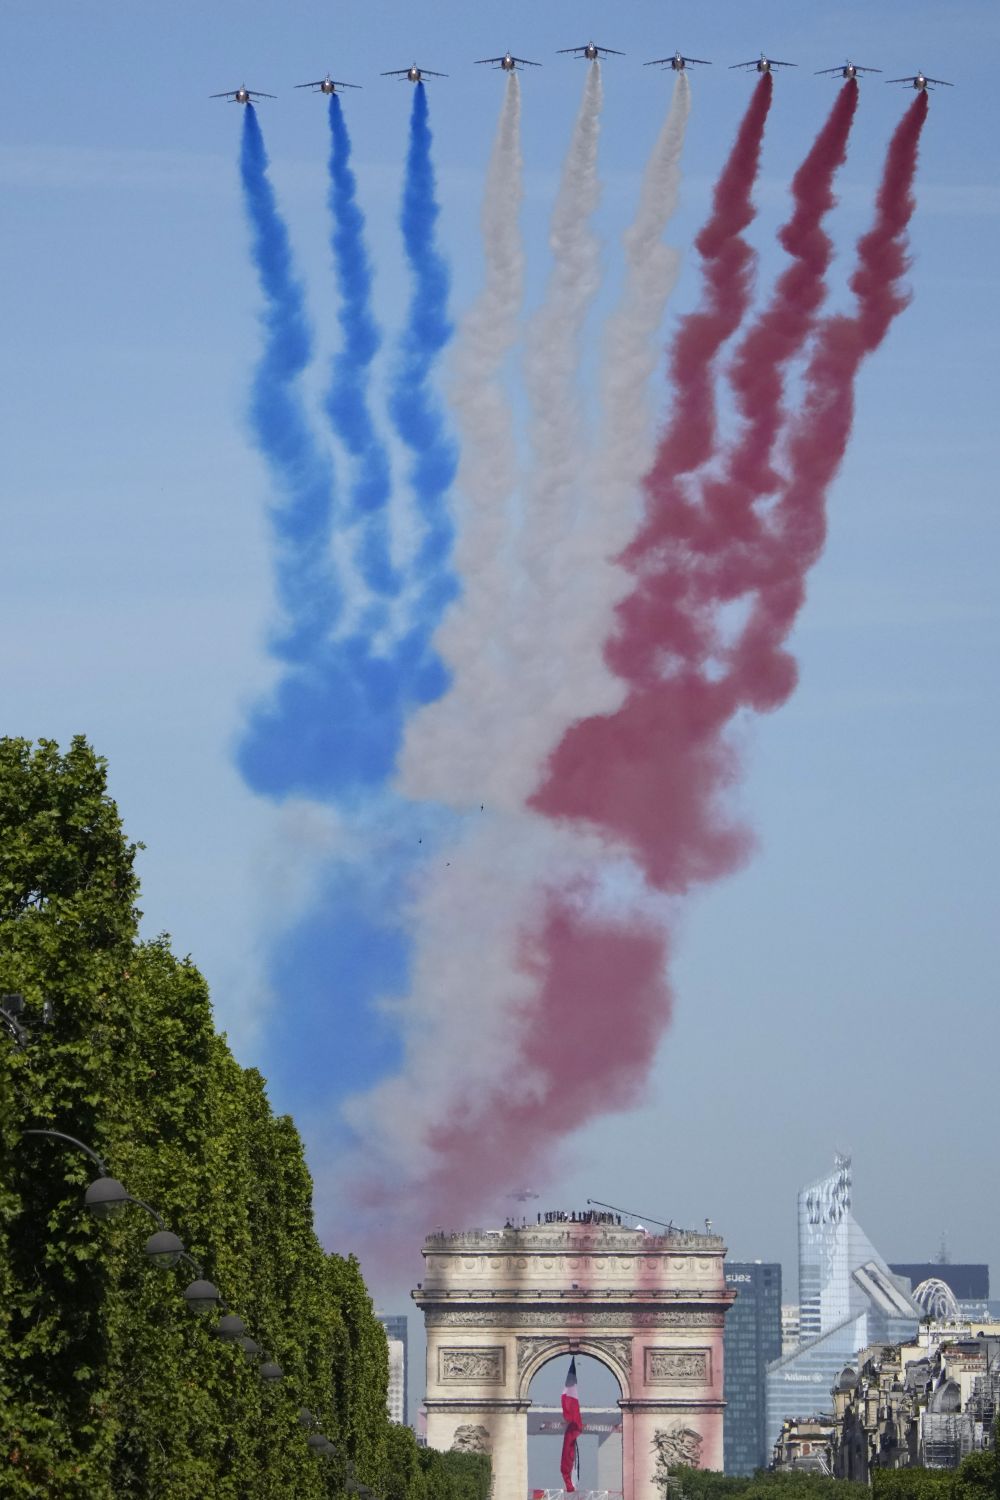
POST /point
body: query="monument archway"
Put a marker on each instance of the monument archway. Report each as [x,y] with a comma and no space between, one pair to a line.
[599,1451]
[498,1304]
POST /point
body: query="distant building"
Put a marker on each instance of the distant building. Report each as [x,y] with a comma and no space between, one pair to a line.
[848,1299]
[929,1403]
[969,1285]
[804,1443]
[395,1331]
[752,1340]
[789,1327]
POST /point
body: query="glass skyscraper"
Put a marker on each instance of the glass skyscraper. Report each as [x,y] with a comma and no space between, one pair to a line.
[752,1341]
[848,1299]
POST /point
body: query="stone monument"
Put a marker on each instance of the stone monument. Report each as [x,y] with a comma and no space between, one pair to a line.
[498,1304]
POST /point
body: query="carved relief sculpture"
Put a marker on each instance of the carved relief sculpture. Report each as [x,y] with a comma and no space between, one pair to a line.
[471,1438]
[678,1366]
[673,1448]
[478,1366]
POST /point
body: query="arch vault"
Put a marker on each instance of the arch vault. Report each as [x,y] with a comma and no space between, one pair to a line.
[498,1304]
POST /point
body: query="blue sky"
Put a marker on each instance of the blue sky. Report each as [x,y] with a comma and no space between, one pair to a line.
[841,990]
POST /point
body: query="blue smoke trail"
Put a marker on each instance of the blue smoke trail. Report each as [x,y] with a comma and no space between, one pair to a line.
[416,415]
[307,586]
[347,399]
[334,724]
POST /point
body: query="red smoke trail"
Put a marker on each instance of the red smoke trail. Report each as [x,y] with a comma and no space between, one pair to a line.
[779,333]
[728,266]
[764,673]
[575,1061]
[654,773]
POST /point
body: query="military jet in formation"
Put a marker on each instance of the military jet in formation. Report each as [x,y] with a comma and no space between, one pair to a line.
[847,70]
[509,63]
[678,62]
[592,51]
[413,74]
[764,64]
[921,81]
[242,95]
[327,85]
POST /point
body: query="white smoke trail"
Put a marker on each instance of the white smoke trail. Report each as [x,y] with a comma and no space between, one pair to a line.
[487,476]
[509,706]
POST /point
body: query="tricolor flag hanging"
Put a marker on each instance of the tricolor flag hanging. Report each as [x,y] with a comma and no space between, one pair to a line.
[571,1416]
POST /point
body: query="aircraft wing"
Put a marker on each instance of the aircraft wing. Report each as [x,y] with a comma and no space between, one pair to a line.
[751,64]
[395,73]
[526,62]
[776,63]
[576,50]
[821,71]
[317,85]
[859,69]
[430,73]
[613,50]
[229,94]
[703,60]
[940,80]
[489,60]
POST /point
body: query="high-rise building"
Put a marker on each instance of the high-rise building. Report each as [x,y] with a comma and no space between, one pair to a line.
[848,1299]
[395,1331]
[752,1340]
[789,1327]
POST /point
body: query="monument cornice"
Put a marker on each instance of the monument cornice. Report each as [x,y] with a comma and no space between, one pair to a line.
[632,1316]
[669,1403]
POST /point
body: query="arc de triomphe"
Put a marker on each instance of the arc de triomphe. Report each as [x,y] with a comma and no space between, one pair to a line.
[499,1304]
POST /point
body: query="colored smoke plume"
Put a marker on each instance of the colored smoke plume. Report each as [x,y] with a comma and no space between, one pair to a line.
[333,725]
[449,734]
[412,404]
[308,591]
[347,397]
[655,773]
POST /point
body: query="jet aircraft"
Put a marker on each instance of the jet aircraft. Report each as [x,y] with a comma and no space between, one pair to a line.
[847,70]
[678,62]
[242,95]
[414,74]
[921,81]
[591,51]
[327,85]
[764,64]
[509,63]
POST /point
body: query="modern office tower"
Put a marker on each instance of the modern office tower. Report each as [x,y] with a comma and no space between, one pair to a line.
[752,1340]
[848,1298]
[931,1281]
[789,1327]
[395,1331]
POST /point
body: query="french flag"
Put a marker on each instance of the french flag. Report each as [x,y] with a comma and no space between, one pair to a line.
[574,1426]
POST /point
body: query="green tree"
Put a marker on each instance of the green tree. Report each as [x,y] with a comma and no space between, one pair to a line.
[108,1387]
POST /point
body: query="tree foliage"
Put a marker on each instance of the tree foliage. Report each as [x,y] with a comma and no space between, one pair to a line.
[108,1386]
[709,1484]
